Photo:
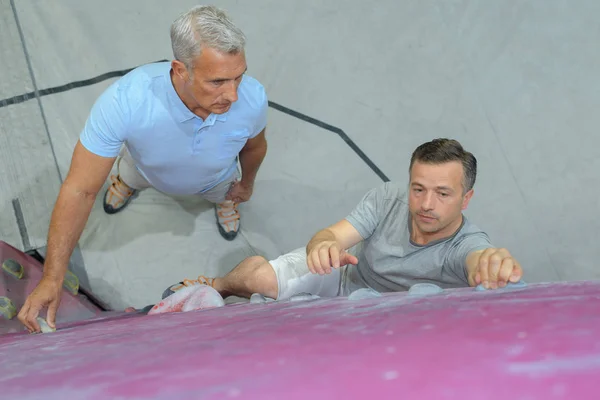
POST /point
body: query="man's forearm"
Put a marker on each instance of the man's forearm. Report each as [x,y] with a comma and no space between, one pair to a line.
[250,160]
[69,217]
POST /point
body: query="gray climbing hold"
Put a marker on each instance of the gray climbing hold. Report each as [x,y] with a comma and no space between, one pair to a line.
[364,293]
[258,298]
[7,308]
[44,327]
[510,285]
[424,289]
[303,297]
[13,268]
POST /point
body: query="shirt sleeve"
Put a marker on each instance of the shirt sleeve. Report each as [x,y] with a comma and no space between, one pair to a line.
[261,120]
[105,129]
[367,215]
[456,258]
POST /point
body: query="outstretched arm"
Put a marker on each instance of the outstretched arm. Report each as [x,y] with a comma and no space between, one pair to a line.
[71,211]
[327,248]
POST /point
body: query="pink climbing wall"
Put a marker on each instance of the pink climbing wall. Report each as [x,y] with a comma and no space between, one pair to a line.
[73,307]
[537,342]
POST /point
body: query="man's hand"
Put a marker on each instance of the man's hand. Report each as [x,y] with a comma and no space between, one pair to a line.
[47,293]
[326,255]
[240,192]
[493,268]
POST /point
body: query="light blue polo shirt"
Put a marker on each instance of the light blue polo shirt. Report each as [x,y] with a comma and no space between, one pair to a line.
[176,151]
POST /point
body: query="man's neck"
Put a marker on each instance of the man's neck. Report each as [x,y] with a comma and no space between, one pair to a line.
[188,100]
[424,238]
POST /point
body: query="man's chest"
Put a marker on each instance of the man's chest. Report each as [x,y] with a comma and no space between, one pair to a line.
[163,143]
[394,257]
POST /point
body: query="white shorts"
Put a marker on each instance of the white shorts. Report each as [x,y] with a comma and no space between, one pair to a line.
[294,277]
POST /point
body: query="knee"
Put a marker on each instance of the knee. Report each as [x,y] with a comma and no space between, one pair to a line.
[262,270]
[256,262]
[257,266]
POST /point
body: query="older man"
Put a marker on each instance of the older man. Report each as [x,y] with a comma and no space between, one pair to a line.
[405,235]
[179,127]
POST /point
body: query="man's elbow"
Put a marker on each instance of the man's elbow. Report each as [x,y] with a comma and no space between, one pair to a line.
[74,189]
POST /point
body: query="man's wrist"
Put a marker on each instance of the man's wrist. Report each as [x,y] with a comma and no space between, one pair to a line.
[53,275]
[247,182]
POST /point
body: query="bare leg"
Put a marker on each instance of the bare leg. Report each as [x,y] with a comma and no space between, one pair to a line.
[253,275]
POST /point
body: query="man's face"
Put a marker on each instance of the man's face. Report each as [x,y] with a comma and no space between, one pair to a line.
[436,197]
[213,82]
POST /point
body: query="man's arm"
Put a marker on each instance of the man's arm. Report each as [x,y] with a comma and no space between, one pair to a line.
[492,268]
[86,176]
[252,156]
[327,248]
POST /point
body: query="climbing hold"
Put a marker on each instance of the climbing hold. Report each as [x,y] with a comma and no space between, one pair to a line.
[258,298]
[71,283]
[13,268]
[7,308]
[45,328]
[303,296]
[510,285]
[363,293]
[424,289]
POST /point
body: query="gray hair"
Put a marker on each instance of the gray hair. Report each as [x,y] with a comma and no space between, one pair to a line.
[204,27]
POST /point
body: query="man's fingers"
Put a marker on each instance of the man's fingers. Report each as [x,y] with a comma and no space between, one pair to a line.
[517,273]
[309,263]
[32,314]
[484,261]
[348,258]
[325,264]
[495,263]
[352,259]
[506,269]
[51,316]
[22,316]
[335,256]
[315,261]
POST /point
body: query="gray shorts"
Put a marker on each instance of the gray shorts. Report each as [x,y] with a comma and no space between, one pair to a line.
[134,179]
[294,277]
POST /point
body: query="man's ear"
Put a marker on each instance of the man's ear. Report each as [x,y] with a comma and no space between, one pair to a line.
[467,198]
[180,70]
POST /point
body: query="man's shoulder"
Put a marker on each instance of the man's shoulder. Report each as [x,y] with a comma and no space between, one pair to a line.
[144,77]
[469,232]
[252,94]
[469,227]
[392,192]
[387,197]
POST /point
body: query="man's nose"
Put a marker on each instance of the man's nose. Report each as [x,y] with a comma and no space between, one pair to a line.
[428,201]
[231,92]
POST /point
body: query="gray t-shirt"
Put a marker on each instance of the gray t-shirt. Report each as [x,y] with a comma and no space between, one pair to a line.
[388,261]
